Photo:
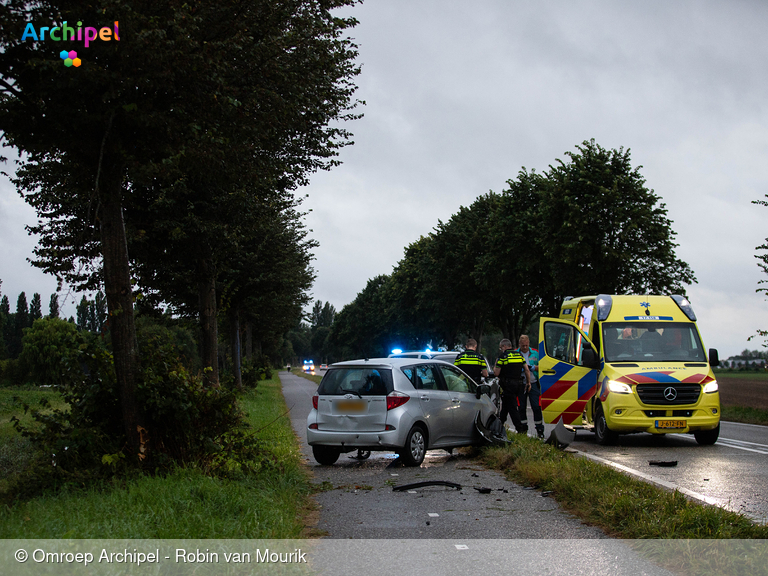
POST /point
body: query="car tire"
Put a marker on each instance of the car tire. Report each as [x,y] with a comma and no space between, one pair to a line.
[325,455]
[415,447]
[707,437]
[603,434]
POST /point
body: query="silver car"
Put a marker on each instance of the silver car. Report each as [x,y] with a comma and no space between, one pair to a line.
[405,405]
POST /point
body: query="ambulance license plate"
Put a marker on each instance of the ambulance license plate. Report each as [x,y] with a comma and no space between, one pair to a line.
[671,424]
[350,406]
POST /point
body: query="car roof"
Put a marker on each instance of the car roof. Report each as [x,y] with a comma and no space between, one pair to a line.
[379,362]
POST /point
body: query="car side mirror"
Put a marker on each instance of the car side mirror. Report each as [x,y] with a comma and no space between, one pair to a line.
[589,358]
[714,358]
[482,389]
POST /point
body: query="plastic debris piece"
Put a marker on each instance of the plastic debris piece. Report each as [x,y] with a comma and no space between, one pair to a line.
[405,487]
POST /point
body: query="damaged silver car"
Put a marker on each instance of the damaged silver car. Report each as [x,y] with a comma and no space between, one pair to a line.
[405,405]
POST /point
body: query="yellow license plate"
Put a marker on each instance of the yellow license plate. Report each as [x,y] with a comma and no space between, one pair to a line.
[350,405]
[671,424]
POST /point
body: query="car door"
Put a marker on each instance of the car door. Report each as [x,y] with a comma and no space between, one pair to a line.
[436,405]
[566,384]
[465,405]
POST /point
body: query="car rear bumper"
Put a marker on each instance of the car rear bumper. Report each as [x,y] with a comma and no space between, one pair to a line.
[371,440]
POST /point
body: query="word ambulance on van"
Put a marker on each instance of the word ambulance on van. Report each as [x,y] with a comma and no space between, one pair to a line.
[624,364]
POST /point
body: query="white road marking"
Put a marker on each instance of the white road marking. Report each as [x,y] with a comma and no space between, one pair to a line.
[743,445]
[461,547]
[661,482]
[433,514]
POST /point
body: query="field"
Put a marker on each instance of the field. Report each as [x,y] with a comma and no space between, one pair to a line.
[743,389]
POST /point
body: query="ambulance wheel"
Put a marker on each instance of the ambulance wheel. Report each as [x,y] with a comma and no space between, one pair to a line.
[707,437]
[326,455]
[603,434]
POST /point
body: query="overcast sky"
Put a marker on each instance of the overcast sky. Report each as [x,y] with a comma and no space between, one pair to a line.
[461,95]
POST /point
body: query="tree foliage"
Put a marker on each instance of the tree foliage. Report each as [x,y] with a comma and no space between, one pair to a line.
[184,142]
[587,225]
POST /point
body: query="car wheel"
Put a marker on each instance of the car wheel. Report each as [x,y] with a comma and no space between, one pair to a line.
[603,434]
[415,447]
[707,437]
[325,455]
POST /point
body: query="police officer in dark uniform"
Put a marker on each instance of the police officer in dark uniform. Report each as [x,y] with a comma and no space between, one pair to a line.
[511,368]
[472,362]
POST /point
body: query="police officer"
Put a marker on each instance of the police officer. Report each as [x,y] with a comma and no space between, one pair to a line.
[511,368]
[534,393]
[472,362]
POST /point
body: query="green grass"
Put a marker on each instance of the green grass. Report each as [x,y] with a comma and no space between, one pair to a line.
[314,377]
[743,375]
[622,506]
[666,528]
[744,414]
[12,401]
[185,503]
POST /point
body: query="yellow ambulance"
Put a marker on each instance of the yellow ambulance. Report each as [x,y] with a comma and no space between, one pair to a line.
[624,364]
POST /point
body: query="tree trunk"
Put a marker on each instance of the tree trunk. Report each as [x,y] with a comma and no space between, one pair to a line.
[234,340]
[249,341]
[117,286]
[208,323]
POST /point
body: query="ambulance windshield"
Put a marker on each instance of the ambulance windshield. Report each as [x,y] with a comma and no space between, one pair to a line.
[652,342]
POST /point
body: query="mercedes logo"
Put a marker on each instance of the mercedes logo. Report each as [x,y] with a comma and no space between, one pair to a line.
[670,394]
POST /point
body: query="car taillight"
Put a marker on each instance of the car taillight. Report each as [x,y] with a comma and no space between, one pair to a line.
[395,399]
[314,401]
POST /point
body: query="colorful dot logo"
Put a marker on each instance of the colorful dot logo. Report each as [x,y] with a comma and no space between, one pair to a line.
[70,58]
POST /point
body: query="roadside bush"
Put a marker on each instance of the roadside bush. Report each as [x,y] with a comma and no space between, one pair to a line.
[187,423]
[258,368]
[11,373]
[47,346]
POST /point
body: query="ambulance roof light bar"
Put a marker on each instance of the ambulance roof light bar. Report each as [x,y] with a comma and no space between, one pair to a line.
[603,303]
[685,306]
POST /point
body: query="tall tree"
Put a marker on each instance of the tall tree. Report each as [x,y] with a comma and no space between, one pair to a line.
[35,308]
[514,269]
[20,321]
[6,329]
[53,306]
[261,79]
[603,231]
[3,320]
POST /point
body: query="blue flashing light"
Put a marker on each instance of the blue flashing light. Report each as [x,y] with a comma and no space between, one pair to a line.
[396,351]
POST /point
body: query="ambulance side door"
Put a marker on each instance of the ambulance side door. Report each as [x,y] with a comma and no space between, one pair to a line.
[568,370]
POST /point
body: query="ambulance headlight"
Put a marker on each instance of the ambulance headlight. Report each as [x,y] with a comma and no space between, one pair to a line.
[710,387]
[619,387]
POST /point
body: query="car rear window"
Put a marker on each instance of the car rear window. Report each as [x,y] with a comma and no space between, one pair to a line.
[353,380]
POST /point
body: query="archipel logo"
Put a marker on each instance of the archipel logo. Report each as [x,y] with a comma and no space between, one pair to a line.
[68,33]
[70,58]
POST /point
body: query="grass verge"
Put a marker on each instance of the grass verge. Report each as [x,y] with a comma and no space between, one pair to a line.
[622,506]
[185,503]
[668,529]
[744,414]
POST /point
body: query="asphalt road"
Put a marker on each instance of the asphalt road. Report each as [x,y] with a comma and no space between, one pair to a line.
[360,504]
[732,474]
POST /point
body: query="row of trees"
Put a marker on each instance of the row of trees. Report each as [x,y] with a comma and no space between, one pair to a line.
[309,340]
[164,167]
[587,225]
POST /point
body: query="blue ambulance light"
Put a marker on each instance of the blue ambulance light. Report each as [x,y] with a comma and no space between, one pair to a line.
[685,306]
[396,351]
[604,303]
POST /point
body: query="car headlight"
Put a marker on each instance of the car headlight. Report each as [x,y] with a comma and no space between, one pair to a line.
[619,387]
[710,387]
